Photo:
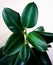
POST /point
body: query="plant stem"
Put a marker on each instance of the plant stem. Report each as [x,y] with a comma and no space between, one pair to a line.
[25,34]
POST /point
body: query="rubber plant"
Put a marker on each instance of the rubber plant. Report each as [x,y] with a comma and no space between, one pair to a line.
[17,50]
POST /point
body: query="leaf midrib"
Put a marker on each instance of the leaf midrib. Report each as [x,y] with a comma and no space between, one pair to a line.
[14,22]
[14,42]
[30,16]
[36,44]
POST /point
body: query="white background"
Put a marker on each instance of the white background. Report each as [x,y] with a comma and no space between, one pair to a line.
[45,17]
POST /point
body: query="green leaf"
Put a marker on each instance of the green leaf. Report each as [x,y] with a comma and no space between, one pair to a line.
[7,60]
[29,15]
[47,36]
[41,28]
[14,43]
[37,41]
[33,59]
[11,60]
[1,52]
[25,53]
[12,20]
[42,57]
[17,61]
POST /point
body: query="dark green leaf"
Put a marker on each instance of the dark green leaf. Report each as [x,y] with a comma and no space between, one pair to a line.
[7,60]
[25,53]
[1,52]
[17,61]
[49,46]
[37,41]
[47,36]
[42,57]
[12,20]
[11,60]
[14,43]
[33,59]
[41,28]
[29,15]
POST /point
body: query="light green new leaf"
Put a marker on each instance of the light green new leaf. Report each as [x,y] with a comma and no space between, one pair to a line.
[29,15]
[14,43]
[41,28]
[37,41]
[25,53]
[12,20]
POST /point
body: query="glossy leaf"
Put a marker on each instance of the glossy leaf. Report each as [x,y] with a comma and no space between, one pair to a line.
[29,15]
[14,43]
[37,41]
[17,61]
[41,28]
[42,57]
[25,53]
[11,60]
[7,60]
[47,36]
[12,20]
